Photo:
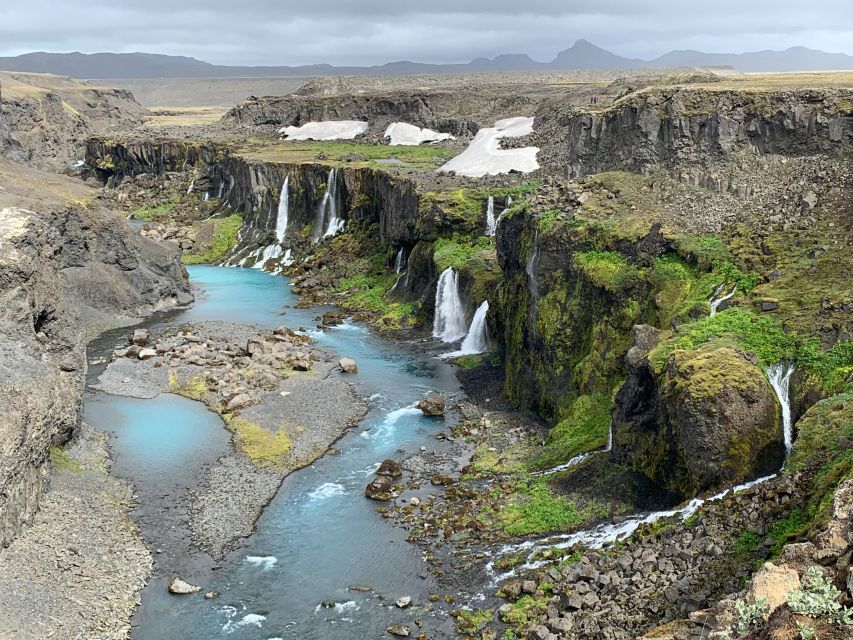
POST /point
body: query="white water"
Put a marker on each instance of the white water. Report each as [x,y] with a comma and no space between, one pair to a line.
[221,189]
[326,221]
[603,534]
[578,458]
[508,202]
[191,187]
[399,265]
[716,302]
[262,562]
[491,223]
[477,339]
[271,252]
[283,206]
[780,379]
[449,321]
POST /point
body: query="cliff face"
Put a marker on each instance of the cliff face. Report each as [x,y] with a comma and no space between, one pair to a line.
[64,276]
[689,128]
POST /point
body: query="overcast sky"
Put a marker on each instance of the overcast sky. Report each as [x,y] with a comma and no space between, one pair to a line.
[283,32]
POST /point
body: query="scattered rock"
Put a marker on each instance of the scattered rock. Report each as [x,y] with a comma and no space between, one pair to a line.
[390,468]
[379,489]
[145,354]
[210,595]
[404,602]
[432,405]
[400,630]
[181,587]
[140,337]
[772,583]
[348,365]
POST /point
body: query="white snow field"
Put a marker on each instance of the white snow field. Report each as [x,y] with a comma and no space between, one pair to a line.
[403,134]
[485,157]
[329,130]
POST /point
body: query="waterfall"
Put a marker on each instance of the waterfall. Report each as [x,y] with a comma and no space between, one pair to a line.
[476,341]
[268,253]
[530,269]
[508,202]
[191,187]
[221,189]
[206,196]
[283,205]
[780,379]
[449,321]
[399,265]
[716,302]
[490,217]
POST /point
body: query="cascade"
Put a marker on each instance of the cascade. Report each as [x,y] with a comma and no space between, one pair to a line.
[508,202]
[476,341]
[490,217]
[780,379]
[283,205]
[206,196]
[716,302]
[449,321]
[191,187]
[399,265]
[530,269]
[221,189]
[269,253]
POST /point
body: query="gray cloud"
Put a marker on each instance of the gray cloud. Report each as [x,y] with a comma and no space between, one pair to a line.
[377,31]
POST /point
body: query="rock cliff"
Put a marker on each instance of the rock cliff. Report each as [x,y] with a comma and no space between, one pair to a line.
[64,276]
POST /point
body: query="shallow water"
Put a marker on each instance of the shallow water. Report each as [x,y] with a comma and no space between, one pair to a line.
[319,535]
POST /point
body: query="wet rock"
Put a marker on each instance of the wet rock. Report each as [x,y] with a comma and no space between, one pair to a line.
[400,630]
[348,365]
[512,589]
[181,587]
[390,468]
[140,337]
[379,488]
[441,480]
[432,405]
[210,595]
[404,602]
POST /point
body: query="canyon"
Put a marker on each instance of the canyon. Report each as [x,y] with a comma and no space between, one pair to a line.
[650,324]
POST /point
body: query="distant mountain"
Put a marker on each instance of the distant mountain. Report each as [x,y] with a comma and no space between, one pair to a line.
[581,55]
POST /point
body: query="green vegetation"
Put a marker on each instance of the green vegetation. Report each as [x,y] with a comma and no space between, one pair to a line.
[471,621]
[349,154]
[607,269]
[585,428]
[525,611]
[457,251]
[152,214]
[792,526]
[818,599]
[536,509]
[547,220]
[60,459]
[262,446]
[195,388]
[222,241]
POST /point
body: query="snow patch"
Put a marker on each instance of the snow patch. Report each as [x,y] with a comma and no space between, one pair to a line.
[485,157]
[403,134]
[329,130]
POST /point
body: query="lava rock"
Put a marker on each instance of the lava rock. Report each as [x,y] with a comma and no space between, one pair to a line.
[379,488]
[432,405]
[390,468]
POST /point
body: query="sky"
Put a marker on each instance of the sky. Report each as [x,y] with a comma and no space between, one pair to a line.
[365,32]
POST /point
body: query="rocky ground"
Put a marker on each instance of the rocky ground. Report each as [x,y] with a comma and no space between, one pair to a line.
[77,571]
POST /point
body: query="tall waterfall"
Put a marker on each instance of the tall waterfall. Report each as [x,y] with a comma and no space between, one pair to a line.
[780,379]
[491,223]
[449,321]
[400,262]
[476,341]
[326,220]
[717,301]
[283,206]
[191,187]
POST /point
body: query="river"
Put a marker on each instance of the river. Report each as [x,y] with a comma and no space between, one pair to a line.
[319,535]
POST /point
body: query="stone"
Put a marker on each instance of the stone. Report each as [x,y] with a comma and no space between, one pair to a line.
[772,583]
[348,365]
[240,401]
[769,305]
[181,587]
[528,586]
[400,630]
[210,595]
[403,602]
[379,488]
[140,337]
[432,405]
[146,354]
[414,501]
[512,589]
[390,468]
[302,365]
[539,632]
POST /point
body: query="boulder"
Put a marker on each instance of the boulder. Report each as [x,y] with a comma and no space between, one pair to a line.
[181,587]
[348,365]
[707,419]
[404,602]
[379,488]
[140,337]
[772,583]
[240,401]
[432,405]
[390,468]
[146,354]
[400,630]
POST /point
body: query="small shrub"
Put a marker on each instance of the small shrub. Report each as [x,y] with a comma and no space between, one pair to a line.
[818,598]
[606,269]
[750,614]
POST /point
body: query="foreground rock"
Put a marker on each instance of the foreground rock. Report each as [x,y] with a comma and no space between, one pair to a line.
[348,365]
[380,488]
[432,405]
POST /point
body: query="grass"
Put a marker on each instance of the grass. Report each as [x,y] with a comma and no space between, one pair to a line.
[606,269]
[471,621]
[195,388]
[224,238]
[153,213]
[453,253]
[423,157]
[536,509]
[60,459]
[585,428]
[262,446]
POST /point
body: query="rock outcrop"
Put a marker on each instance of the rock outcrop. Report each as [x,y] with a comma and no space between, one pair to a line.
[692,127]
[708,421]
[64,276]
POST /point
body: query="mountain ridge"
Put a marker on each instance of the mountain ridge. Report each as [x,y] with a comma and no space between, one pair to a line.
[581,55]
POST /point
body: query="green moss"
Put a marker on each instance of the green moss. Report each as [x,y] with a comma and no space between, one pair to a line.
[194,388]
[525,611]
[153,213]
[455,252]
[547,220]
[606,269]
[60,459]
[536,509]
[262,446]
[224,239]
[471,621]
[469,361]
[585,428]
[791,527]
